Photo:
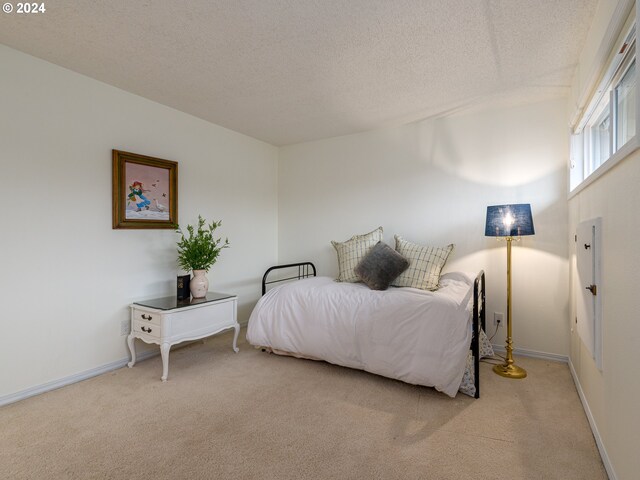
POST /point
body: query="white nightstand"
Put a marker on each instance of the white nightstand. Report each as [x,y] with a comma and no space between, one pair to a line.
[167,321]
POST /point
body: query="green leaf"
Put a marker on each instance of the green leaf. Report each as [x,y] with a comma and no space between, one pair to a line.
[199,250]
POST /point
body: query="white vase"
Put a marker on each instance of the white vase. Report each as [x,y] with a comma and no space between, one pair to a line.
[199,284]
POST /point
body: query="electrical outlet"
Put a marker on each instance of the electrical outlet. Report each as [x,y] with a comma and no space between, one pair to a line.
[498,318]
[125,327]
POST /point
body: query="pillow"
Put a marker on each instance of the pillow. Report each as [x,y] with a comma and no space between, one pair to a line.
[425,264]
[352,251]
[468,384]
[381,266]
[486,349]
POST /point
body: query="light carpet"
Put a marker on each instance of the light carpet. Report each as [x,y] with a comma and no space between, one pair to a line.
[254,415]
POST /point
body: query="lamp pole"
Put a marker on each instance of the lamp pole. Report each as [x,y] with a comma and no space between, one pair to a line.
[509,369]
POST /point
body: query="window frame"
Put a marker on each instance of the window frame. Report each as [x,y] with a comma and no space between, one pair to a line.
[584,168]
[628,62]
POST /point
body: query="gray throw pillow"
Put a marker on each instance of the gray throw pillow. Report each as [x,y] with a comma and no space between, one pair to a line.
[381,266]
[352,251]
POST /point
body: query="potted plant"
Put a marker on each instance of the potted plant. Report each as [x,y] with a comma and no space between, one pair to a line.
[198,251]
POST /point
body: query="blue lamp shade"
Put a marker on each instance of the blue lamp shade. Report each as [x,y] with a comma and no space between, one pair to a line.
[509,220]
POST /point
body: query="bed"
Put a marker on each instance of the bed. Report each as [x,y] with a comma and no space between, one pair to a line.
[429,338]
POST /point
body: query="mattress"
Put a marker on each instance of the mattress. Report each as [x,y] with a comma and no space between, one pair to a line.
[416,336]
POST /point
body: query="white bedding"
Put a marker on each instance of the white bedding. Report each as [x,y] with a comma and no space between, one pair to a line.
[416,336]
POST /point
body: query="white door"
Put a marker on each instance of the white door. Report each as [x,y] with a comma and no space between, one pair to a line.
[588,289]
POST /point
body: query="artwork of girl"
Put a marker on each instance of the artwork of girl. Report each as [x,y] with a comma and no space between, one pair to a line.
[145,191]
[147,195]
[136,195]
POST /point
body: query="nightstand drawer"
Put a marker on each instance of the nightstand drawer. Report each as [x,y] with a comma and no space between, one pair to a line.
[200,321]
[142,326]
[146,317]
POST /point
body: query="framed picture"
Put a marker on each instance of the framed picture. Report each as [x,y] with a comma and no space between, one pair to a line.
[145,191]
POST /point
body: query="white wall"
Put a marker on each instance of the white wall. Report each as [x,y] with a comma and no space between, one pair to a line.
[431,182]
[611,394]
[67,277]
[585,77]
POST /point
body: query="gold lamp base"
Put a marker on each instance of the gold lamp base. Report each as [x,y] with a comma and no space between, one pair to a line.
[510,371]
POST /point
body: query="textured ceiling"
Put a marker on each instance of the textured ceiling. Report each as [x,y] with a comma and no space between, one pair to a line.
[288,71]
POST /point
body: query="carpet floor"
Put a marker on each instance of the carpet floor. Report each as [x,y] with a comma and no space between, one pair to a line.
[254,415]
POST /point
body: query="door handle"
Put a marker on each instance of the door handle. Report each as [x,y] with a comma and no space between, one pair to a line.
[593,289]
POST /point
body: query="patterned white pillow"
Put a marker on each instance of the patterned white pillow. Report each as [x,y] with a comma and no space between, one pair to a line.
[468,384]
[425,264]
[486,350]
[352,251]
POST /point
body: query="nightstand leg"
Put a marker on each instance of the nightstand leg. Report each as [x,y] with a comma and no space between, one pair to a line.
[132,349]
[235,338]
[164,351]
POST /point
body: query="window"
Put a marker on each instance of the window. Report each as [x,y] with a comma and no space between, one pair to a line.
[625,95]
[609,121]
[597,136]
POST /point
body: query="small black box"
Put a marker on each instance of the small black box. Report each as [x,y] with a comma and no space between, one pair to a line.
[183,287]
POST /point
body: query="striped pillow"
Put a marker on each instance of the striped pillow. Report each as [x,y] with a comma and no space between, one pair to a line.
[425,264]
[352,251]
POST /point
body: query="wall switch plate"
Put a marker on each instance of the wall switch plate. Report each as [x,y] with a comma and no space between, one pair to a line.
[125,327]
[498,318]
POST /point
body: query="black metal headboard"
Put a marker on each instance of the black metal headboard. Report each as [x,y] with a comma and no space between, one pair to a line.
[479,322]
[305,270]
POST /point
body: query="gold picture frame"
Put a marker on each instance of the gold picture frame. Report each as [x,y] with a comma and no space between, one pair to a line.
[145,191]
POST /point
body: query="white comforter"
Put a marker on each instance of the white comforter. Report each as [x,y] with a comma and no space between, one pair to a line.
[412,335]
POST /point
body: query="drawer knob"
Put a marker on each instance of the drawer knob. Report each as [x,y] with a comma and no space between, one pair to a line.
[146,317]
[145,329]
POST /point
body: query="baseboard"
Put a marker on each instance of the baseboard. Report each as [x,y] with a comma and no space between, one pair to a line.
[534,354]
[78,377]
[592,423]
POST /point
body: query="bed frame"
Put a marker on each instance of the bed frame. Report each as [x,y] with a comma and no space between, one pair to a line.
[308,269]
[303,272]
